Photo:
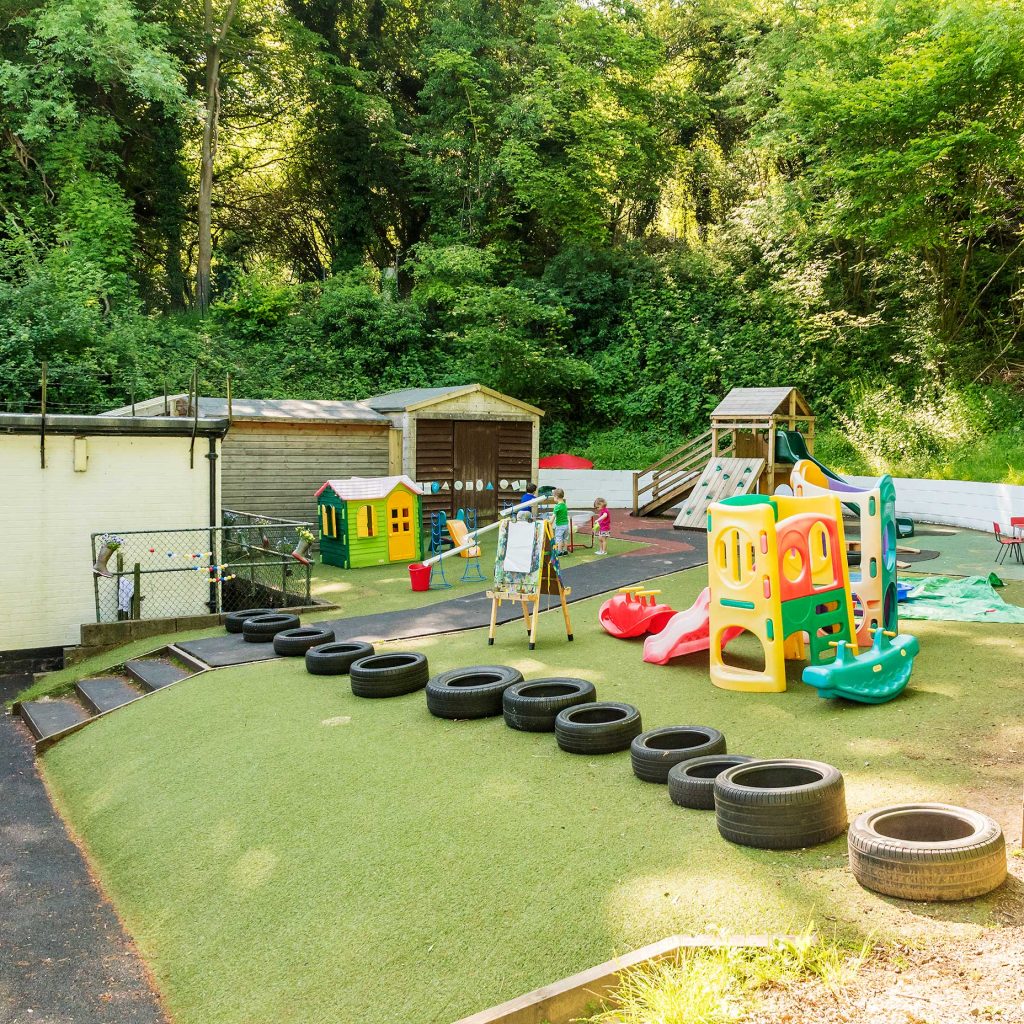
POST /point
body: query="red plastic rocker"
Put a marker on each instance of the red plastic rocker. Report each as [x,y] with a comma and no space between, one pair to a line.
[632,612]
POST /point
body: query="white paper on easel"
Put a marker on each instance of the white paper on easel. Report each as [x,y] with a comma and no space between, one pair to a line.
[519,547]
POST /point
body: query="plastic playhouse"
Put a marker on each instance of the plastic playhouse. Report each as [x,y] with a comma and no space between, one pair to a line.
[369,521]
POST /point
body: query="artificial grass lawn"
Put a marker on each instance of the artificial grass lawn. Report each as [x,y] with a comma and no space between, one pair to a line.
[285,852]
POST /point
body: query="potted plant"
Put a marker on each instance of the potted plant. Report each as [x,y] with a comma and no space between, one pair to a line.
[109,543]
[306,540]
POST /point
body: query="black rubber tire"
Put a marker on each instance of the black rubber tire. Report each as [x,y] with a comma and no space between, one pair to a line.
[389,675]
[780,804]
[654,753]
[603,727]
[927,852]
[692,783]
[532,706]
[233,621]
[292,642]
[261,629]
[335,659]
[472,692]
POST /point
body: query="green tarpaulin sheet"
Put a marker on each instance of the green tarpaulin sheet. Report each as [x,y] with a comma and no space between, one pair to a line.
[959,599]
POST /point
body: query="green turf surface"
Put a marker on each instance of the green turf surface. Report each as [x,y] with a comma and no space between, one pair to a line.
[283,851]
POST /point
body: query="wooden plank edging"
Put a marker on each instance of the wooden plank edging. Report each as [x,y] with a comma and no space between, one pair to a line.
[564,1001]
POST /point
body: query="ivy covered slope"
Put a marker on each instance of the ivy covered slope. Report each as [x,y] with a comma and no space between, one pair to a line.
[614,211]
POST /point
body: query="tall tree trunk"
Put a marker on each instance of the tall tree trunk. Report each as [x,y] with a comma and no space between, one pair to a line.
[214,45]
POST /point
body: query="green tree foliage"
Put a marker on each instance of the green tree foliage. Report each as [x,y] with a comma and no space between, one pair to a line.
[616,210]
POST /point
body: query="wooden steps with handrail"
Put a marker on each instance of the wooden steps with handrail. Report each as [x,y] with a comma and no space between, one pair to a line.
[668,481]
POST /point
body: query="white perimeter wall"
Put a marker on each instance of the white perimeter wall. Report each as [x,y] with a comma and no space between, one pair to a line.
[582,486]
[47,515]
[948,502]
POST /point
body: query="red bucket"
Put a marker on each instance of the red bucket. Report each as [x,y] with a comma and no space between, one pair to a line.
[419,576]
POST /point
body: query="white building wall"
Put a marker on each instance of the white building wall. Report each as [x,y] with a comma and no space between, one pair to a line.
[47,515]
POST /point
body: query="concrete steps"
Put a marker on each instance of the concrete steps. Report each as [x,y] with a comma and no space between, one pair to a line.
[106,693]
[46,718]
[154,673]
[49,720]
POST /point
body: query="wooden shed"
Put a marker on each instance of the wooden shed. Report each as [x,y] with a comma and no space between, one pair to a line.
[278,452]
[746,421]
[466,446]
[369,521]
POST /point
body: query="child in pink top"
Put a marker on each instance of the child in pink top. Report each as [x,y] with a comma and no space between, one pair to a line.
[602,525]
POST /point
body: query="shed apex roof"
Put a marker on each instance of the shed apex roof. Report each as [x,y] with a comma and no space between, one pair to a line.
[414,398]
[368,487]
[759,402]
[296,410]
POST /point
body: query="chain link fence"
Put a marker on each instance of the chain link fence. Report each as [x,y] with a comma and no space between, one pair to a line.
[247,562]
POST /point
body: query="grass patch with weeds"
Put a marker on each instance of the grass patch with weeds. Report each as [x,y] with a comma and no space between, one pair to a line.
[720,984]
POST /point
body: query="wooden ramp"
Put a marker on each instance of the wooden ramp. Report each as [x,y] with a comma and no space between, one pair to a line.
[722,478]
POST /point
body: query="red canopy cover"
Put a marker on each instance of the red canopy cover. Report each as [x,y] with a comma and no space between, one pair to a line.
[564,462]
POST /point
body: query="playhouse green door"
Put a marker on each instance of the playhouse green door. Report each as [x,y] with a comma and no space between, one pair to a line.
[401,508]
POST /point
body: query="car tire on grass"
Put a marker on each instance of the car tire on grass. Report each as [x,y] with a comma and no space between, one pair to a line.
[234,621]
[472,692]
[654,753]
[261,629]
[927,852]
[780,804]
[692,783]
[293,642]
[603,727]
[532,706]
[389,675]
[335,659]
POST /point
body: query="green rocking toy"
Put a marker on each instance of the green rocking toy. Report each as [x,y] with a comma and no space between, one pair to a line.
[872,678]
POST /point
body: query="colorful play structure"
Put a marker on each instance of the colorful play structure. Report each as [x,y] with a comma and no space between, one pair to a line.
[369,521]
[778,570]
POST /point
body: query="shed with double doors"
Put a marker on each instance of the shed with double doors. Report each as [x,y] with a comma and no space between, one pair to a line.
[369,521]
[466,446]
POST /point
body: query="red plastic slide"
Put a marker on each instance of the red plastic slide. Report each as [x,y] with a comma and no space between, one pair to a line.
[685,633]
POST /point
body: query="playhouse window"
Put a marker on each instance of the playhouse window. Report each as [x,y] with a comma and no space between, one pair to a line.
[328,521]
[366,521]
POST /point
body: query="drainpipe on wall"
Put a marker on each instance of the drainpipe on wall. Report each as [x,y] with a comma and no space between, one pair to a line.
[211,455]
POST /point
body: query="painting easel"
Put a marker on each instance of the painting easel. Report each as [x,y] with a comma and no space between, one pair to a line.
[525,581]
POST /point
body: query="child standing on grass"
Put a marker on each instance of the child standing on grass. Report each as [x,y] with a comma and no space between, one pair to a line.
[561,522]
[602,525]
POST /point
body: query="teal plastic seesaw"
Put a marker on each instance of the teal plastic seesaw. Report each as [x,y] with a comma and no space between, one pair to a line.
[872,678]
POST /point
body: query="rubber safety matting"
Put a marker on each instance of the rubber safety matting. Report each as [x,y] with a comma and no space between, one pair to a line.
[471,611]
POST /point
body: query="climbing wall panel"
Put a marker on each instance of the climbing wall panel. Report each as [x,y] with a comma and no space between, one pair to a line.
[722,478]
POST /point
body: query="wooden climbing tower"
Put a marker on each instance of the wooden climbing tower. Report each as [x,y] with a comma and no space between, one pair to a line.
[744,429]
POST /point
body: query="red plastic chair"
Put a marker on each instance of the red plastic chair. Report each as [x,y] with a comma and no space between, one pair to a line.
[1005,543]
